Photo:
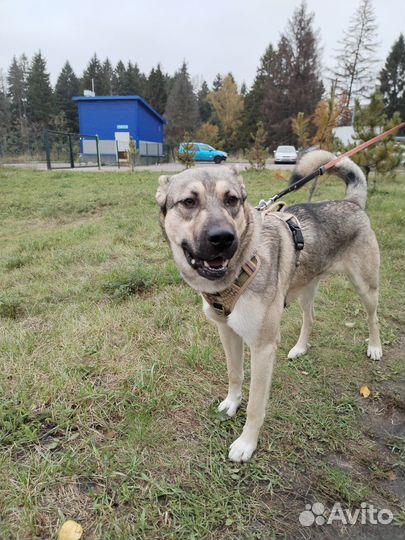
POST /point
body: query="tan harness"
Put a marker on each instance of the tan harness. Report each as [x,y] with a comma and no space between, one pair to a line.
[223,302]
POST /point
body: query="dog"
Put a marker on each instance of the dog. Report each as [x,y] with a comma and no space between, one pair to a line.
[248,265]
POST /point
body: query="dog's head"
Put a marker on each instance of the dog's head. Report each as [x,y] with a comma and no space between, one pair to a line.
[204,218]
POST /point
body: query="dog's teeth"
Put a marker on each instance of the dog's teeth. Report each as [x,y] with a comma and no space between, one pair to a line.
[206,264]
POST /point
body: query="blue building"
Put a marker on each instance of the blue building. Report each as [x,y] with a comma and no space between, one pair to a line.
[117,118]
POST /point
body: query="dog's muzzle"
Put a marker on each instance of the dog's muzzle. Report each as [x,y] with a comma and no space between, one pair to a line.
[216,249]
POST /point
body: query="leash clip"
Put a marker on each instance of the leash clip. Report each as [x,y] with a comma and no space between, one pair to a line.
[263,205]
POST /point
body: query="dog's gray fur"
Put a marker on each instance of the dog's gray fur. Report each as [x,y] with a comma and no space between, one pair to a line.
[338,238]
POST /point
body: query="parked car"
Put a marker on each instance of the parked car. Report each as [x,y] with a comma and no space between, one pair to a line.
[205,152]
[285,154]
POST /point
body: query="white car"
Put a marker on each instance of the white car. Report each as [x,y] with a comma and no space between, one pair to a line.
[285,154]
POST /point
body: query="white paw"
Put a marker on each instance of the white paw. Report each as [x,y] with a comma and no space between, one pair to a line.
[242,449]
[374,352]
[297,351]
[230,405]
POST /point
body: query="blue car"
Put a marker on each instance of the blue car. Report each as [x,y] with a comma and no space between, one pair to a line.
[205,152]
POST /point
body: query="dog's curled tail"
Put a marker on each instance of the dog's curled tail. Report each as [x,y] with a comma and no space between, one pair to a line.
[356,184]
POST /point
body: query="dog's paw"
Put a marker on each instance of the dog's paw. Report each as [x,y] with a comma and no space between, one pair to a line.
[242,449]
[374,352]
[230,405]
[296,351]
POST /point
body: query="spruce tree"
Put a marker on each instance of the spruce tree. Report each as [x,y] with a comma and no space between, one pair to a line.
[155,92]
[253,109]
[204,106]
[5,116]
[17,135]
[392,78]
[218,82]
[294,84]
[40,102]
[94,73]
[306,87]
[108,73]
[66,87]
[182,108]
[17,88]
[135,81]
[119,79]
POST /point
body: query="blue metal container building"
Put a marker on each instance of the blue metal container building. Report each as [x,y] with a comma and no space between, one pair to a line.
[117,118]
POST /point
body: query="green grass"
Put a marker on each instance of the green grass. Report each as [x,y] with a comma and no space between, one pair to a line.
[111,375]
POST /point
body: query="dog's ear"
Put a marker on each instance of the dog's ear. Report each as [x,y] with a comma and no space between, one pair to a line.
[161,194]
[235,172]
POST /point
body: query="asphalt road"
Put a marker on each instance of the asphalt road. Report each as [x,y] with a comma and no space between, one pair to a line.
[166,167]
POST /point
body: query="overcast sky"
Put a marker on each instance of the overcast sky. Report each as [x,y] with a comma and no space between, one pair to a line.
[213,36]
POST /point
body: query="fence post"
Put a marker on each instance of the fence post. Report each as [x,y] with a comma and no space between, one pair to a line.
[47,150]
[72,162]
[98,153]
[118,155]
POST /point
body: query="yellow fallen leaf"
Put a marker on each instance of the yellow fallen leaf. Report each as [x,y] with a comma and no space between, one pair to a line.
[365,391]
[392,476]
[70,530]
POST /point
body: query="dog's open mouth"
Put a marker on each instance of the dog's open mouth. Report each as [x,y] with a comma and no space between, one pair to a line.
[210,269]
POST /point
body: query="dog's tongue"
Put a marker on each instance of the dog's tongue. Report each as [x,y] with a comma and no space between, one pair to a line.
[216,263]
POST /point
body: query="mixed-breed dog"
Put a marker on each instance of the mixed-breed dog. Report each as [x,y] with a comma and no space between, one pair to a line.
[248,265]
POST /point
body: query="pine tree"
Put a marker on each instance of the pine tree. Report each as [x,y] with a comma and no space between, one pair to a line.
[326,118]
[257,154]
[356,57]
[181,108]
[66,87]
[40,102]
[227,104]
[155,92]
[392,78]
[187,156]
[300,129]
[370,120]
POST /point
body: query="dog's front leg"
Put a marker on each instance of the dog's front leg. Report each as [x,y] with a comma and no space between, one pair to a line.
[233,346]
[262,361]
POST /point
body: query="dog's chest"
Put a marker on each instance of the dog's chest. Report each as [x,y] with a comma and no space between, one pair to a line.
[246,319]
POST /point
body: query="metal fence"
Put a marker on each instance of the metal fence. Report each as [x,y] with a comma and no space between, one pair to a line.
[70,150]
[66,150]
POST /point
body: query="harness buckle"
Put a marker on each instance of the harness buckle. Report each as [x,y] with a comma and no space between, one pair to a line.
[296,234]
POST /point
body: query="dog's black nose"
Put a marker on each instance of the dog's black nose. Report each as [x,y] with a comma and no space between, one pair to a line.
[220,238]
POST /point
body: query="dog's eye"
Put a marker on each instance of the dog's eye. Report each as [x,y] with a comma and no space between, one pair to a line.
[231,200]
[189,202]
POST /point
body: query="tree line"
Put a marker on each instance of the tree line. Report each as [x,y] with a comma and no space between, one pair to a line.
[289,101]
